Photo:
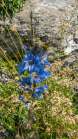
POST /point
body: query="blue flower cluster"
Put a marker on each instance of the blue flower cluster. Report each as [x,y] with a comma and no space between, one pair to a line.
[35,66]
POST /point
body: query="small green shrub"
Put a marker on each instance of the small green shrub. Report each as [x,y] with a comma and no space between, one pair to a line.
[11,6]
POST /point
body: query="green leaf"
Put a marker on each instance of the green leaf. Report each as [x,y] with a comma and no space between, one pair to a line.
[18,1]
[76,106]
[35,126]
[64,138]
[10,5]
[43,135]
[1,60]
[53,52]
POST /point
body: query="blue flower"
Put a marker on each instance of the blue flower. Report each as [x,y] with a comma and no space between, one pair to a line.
[31,61]
[36,49]
[21,68]
[21,98]
[26,103]
[44,57]
[25,84]
[25,48]
[22,121]
[39,74]
[39,91]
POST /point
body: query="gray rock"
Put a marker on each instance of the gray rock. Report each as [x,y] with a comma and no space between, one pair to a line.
[6,79]
[76,40]
[69,61]
[69,45]
[47,17]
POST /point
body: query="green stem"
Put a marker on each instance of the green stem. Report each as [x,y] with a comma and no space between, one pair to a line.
[61,40]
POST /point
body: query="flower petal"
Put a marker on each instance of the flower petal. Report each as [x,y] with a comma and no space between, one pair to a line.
[25,48]
[21,68]
[20,97]
[45,62]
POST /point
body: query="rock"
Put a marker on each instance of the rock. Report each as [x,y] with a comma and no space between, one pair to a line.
[69,45]
[70,49]
[47,18]
[4,77]
[76,40]
[69,61]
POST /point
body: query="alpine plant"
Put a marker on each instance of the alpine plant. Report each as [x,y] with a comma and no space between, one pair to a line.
[34,63]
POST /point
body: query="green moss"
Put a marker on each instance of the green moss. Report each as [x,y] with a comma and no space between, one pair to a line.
[46,46]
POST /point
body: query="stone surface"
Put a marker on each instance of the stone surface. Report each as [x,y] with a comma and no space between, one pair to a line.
[59,3]
[69,45]
[47,18]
